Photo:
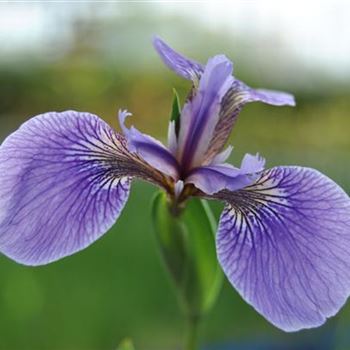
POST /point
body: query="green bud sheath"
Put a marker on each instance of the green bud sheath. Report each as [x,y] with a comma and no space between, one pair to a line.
[187,245]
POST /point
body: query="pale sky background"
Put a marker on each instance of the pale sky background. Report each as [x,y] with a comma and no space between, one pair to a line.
[316,32]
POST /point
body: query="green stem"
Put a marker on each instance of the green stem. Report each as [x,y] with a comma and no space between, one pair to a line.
[192,335]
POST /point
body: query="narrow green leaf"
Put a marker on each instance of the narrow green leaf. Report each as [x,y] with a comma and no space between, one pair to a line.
[126,344]
[176,111]
[187,244]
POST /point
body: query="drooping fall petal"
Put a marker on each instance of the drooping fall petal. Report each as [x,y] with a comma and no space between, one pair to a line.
[64,179]
[284,244]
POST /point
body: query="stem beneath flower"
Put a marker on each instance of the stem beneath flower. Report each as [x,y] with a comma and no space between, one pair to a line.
[192,333]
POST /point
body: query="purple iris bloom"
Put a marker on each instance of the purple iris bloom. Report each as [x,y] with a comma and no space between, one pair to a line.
[283,239]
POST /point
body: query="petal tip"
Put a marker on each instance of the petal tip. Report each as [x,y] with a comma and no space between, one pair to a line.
[122,115]
[157,41]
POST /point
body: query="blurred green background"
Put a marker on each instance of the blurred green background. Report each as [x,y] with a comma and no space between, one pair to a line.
[98,57]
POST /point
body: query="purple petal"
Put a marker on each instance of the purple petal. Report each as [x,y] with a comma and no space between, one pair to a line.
[284,244]
[201,113]
[222,156]
[181,65]
[214,178]
[149,149]
[252,164]
[63,183]
[239,95]
[274,98]
[172,138]
[223,117]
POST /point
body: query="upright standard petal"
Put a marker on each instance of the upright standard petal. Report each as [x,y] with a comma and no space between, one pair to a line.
[284,244]
[185,67]
[239,95]
[63,183]
[201,113]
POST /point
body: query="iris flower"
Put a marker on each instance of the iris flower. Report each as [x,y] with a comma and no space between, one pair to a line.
[283,239]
